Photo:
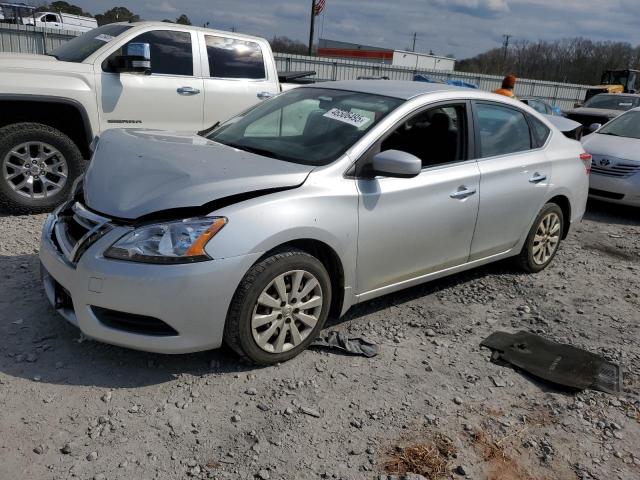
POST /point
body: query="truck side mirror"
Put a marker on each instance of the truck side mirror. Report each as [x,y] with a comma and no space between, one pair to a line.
[135,58]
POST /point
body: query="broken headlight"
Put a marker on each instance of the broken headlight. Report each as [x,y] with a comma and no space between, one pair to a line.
[180,241]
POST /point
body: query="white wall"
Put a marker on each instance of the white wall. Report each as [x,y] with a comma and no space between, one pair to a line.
[422,61]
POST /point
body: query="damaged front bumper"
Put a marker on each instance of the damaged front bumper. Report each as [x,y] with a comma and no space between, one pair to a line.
[156,308]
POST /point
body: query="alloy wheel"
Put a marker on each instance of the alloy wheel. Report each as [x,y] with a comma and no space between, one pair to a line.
[286,311]
[547,238]
[35,170]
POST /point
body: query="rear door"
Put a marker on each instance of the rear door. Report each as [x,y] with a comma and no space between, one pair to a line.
[410,227]
[238,73]
[171,98]
[515,174]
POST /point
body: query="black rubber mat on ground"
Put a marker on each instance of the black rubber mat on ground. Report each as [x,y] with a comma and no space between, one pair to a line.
[555,362]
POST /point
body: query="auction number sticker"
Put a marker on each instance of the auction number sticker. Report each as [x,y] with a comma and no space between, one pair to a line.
[351,118]
[104,38]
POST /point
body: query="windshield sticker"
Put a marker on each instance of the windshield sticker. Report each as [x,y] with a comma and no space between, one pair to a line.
[351,118]
[625,104]
[104,37]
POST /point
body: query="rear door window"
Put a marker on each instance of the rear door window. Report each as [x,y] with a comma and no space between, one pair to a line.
[503,130]
[233,58]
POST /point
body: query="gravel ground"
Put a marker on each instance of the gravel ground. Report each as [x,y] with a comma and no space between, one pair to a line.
[71,407]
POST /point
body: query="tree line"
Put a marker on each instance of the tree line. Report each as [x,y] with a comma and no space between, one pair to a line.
[573,60]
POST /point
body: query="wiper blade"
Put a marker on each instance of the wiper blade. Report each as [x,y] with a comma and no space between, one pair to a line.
[256,150]
[609,133]
[207,131]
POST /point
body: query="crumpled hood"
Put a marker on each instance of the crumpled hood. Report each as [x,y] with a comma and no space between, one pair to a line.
[135,173]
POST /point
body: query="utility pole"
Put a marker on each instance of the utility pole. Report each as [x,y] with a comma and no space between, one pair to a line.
[414,41]
[313,20]
[505,46]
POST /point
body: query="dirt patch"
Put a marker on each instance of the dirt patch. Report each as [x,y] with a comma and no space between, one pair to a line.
[500,466]
[430,459]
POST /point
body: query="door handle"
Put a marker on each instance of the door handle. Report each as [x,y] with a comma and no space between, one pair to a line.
[188,91]
[264,95]
[537,178]
[463,192]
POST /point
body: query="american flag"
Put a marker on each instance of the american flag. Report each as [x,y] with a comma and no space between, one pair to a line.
[320,4]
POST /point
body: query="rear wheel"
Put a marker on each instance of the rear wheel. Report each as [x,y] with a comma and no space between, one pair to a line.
[543,240]
[38,165]
[279,307]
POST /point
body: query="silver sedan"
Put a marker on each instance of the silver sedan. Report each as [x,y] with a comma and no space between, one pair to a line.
[316,200]
[615,174]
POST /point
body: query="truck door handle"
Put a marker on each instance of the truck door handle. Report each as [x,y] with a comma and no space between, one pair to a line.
[264,95]
[188,91]
[537,178]
[463,192]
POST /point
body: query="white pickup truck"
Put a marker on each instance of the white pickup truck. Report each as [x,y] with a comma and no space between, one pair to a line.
[147,75]
[61,21]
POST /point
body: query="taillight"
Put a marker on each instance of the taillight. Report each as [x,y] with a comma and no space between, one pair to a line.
[586,159]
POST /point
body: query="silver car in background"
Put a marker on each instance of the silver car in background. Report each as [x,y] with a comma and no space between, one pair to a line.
[313,201]
[615,172]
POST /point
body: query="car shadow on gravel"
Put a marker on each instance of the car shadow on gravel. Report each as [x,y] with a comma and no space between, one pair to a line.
[504,267]
[611,213]
[39,345]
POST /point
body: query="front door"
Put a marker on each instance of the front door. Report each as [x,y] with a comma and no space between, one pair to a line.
[412,227]
[171,98]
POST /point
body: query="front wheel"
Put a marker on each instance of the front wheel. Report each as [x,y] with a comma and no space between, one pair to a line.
[279,307]
[543,240]
[38,165]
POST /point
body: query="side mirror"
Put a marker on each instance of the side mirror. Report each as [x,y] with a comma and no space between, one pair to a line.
[595,126]
[577,105]
[394,163]
[135,58]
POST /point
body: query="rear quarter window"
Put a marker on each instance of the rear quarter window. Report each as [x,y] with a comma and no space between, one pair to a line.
[539,132]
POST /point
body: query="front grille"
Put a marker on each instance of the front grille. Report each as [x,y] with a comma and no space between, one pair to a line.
[605,194]
[612,168]
[76,229]
[132,323]
[587,120]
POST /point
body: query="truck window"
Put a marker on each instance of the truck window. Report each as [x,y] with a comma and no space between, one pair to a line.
[171,52]
[231,58]
[50,18]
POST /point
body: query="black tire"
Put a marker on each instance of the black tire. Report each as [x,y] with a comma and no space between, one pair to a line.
[238,332]
[525,259]
[14,135]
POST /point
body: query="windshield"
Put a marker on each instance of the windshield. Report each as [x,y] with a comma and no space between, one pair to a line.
[613,102]
[311,126]
[627,125]
[78,49]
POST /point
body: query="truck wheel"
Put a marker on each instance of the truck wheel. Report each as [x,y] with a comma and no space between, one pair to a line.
[38,165]
[279,307]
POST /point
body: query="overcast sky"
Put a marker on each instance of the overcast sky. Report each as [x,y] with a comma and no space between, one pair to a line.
[461,27]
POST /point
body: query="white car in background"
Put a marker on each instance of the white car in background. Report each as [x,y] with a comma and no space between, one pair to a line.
[615,169]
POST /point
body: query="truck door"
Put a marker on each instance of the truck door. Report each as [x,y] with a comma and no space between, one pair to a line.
[237,75]
[170,98]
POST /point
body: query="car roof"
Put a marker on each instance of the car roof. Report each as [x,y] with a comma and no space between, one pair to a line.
[633,95]
[151,23]
[404,90]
